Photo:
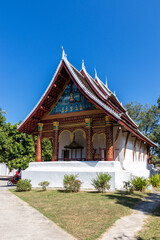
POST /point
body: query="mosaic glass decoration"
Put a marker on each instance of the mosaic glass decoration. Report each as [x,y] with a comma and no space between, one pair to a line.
[71,100]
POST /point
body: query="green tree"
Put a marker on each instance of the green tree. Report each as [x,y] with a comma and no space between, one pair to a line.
[46,150]
[148,120]
[16,149]
[2,118]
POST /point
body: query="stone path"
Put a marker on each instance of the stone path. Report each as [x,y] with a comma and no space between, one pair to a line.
[19,221]
[126,227]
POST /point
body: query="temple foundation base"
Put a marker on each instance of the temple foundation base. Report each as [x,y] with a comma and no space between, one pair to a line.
[54,172]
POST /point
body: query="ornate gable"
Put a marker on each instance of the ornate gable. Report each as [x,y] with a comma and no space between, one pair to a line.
[71,100]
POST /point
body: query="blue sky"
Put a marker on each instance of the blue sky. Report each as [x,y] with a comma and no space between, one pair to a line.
[120,38]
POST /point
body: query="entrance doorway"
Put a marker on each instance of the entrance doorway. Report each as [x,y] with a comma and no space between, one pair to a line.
[72,146]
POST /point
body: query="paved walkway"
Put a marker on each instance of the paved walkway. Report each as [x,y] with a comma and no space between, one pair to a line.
[126,227]
[19,221]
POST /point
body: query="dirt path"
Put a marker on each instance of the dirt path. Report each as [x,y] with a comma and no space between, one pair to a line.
[19,221]
[126,227]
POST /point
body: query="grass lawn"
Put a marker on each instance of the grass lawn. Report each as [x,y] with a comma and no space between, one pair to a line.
[85,215]
[151,230]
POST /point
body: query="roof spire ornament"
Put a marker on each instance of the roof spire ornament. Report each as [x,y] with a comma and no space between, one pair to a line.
[64,55]
[95,73]
[114,93]
[83,64]
[106,83]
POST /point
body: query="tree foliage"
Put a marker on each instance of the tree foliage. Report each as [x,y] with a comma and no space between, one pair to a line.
[148,120]
[16,148]
[46,150]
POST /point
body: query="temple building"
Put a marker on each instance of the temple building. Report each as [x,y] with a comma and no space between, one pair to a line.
[90,132]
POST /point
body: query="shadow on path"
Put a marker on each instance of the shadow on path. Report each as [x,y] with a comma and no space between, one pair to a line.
[146,206]
[126,227]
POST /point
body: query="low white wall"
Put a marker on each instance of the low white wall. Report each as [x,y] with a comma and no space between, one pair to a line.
[4,170]
[54,172]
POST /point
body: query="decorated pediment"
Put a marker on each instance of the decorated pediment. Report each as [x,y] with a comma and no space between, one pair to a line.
[71,100]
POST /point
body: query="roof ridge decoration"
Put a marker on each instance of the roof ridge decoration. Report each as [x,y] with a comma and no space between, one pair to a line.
[104,106]
[101,84]
[64,55]
[106,83]
[105,87]
[93,82]
[83,66]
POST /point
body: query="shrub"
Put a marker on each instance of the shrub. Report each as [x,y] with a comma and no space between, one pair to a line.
[24,185]
[71,183]
[155,180]
[44,185]
[139,183]
[128,186]
[101,183]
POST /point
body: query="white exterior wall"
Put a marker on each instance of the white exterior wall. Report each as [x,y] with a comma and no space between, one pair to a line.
[137,166]
[4,170]
[54,172]
[120,145]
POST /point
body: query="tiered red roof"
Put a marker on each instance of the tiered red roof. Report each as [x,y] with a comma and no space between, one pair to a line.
[94,90]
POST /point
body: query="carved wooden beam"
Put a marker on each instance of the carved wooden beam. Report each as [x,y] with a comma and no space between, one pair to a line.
[134,148]
[128,133]
[51,97]
[140,151]
[36,118]
[63,77]
[45,108]
[115,125]
[116,139]
[58,88]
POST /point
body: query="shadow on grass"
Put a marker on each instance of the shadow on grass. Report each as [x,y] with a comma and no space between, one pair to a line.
[40,190]
[61,191]
[126,199]
[134,201]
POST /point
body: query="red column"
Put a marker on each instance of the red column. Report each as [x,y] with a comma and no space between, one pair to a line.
[89,145]
[39,139]
[149,154]
[109,139]
[55,146]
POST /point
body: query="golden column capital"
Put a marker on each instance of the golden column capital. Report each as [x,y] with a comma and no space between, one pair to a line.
[40,126]
[108,120]
[88,122]
[55,125]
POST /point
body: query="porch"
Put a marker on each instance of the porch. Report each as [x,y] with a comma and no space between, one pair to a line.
[80,141]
